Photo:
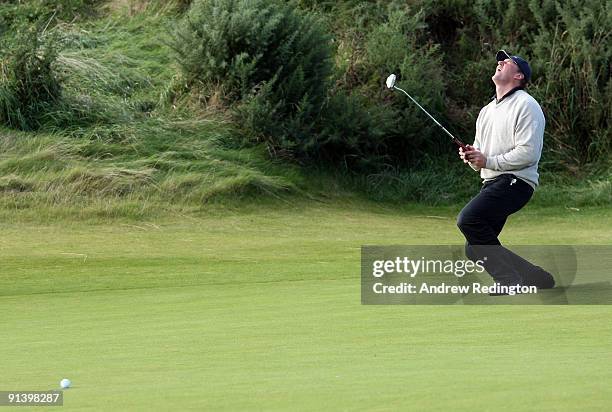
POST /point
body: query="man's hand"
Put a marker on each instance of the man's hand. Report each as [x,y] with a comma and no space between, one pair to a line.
[473,156]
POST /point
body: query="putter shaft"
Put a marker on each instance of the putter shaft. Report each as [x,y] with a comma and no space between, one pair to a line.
[426,112]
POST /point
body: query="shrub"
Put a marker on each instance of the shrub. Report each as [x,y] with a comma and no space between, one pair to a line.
[356,133]
[443,53]
[575,88]
[29,86]
[274,60]
[396,46]
[567,44]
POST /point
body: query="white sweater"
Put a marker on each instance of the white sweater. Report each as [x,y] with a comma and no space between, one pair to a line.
[511,134]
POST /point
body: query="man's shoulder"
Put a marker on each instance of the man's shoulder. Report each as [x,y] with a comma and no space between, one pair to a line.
[524,98]
[525,101]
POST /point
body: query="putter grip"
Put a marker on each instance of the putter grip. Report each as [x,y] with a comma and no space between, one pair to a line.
[460,144]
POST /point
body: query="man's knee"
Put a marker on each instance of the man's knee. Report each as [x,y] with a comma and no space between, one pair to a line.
[466,221]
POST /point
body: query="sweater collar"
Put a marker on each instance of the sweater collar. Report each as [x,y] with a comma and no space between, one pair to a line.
[511,92]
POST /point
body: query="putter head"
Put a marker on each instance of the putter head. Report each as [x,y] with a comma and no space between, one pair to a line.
[391,81]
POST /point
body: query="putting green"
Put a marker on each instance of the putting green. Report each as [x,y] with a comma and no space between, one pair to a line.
[261,310]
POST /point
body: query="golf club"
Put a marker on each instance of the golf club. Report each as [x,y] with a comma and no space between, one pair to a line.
[391,85]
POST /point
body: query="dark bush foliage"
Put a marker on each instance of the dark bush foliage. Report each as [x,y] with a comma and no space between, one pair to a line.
[29,86]
[272,58]
[452,44]
[275,64]
[572,54]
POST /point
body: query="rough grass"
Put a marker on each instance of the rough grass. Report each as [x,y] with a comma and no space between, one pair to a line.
[168,166]
[117,146]
[110,148]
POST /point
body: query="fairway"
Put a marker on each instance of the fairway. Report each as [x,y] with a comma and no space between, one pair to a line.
[261,310]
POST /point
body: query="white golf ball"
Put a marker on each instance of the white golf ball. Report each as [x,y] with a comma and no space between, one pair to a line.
[65,383]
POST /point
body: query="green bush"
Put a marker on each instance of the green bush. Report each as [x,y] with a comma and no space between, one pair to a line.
[29,86]
[398,131]
[567,44]
[356,134]
[272,59]
[252,55]
[572,56]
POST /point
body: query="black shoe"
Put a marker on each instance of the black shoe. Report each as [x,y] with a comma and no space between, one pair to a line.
[540,279]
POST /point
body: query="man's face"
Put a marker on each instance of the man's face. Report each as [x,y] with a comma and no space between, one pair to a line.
[506,72]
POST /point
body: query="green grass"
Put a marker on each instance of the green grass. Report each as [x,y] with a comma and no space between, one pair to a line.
[160,264]
[128,142]
[143,171]
[260,309]
[115,146]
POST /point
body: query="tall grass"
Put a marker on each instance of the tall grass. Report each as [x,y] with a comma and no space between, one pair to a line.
[29,86]
[126,137]
[166,163]
[105,145]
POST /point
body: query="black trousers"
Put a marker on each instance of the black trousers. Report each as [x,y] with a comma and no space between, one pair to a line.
[482,220]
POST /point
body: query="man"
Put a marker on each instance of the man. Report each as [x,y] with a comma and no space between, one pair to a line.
[506,151]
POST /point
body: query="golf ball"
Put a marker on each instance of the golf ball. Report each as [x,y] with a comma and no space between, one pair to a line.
[65,383]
